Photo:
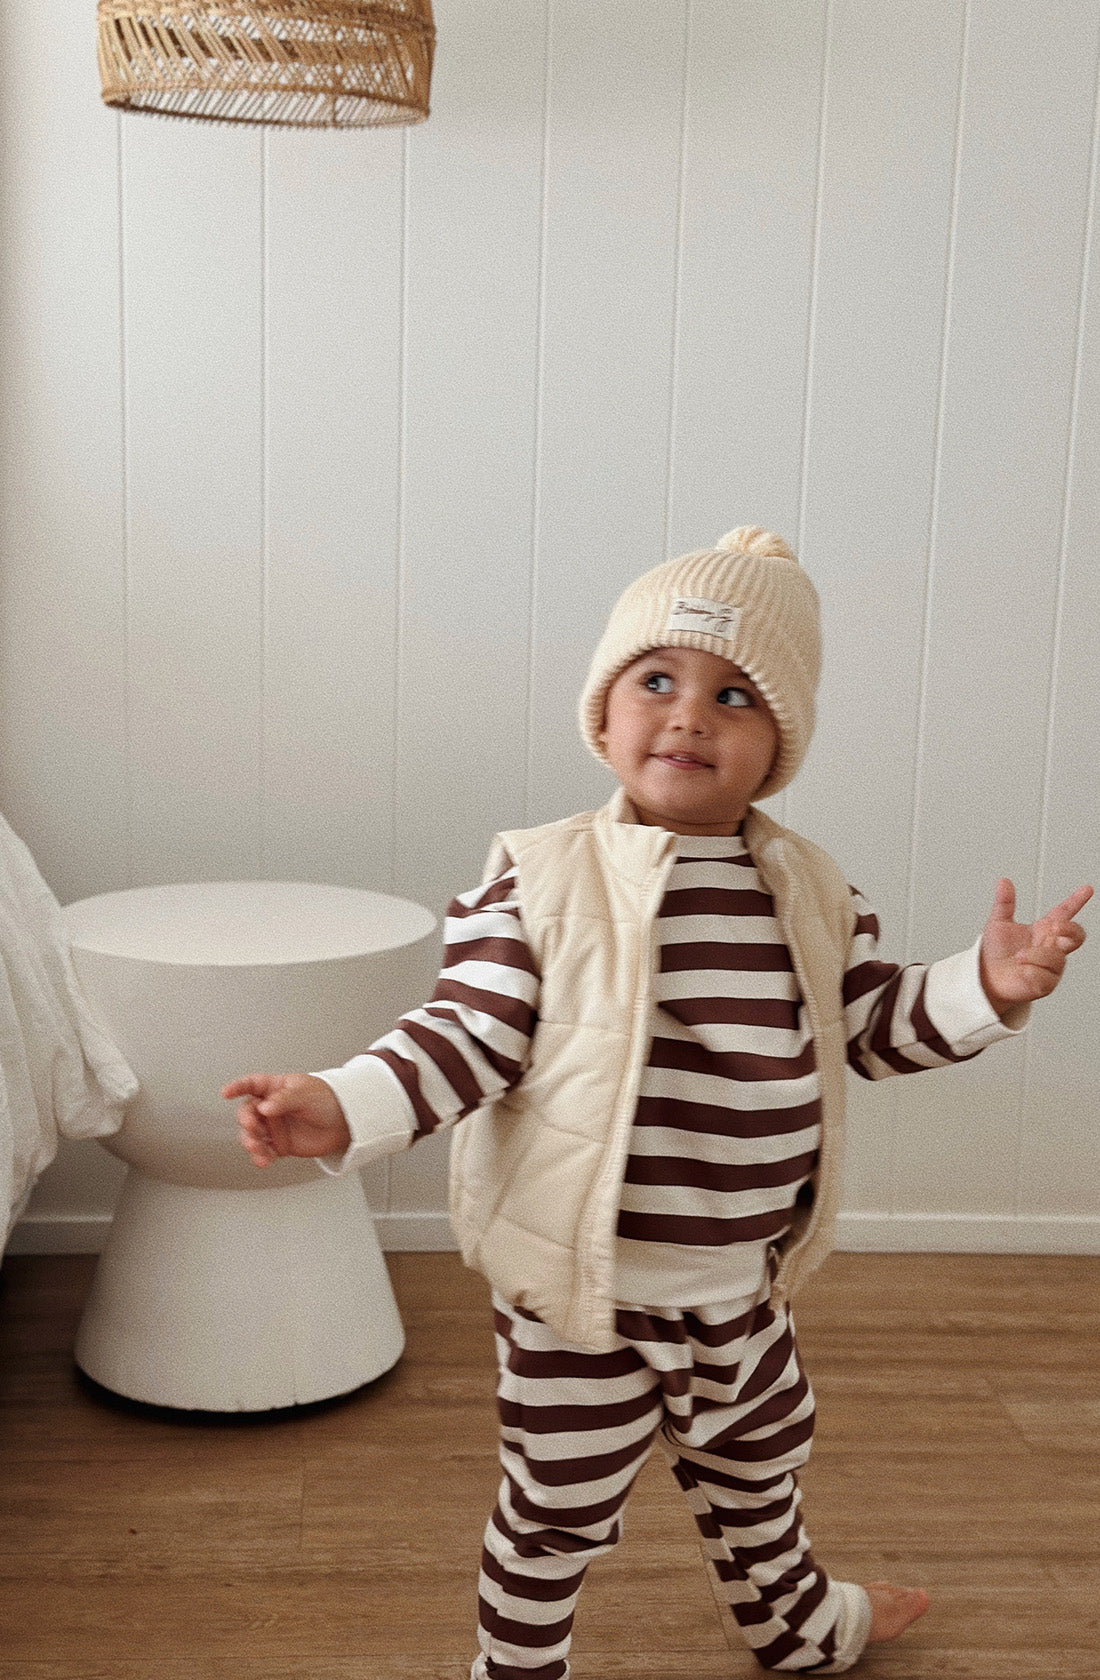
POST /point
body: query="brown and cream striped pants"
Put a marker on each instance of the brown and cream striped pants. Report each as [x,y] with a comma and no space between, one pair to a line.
[724,1391]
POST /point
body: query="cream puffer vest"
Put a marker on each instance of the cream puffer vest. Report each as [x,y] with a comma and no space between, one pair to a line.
[536,1175]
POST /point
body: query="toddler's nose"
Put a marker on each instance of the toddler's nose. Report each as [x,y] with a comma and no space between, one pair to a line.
[689,714]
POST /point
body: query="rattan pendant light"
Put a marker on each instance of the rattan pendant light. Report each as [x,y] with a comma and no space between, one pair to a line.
[294,63]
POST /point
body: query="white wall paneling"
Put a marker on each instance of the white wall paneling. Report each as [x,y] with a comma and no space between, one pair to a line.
[63,584]
[889,157]
[333,234]
[612,196]
[324,455]
[755,104]
[1058,1156]
[999,512]
[473,236]
[194,481]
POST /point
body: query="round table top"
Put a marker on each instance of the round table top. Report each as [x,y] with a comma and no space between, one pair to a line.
[244,923]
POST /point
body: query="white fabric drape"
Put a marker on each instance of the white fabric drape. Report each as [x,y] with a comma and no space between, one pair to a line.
[60,1074]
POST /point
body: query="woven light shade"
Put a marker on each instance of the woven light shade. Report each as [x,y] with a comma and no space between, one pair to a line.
[294,63]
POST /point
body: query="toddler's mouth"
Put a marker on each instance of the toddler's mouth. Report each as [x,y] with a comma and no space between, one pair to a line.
[687,760]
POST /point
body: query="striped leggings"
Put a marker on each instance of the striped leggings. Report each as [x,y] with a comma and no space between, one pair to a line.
[724,1390]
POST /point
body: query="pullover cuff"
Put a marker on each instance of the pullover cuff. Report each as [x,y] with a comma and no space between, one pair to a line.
[379,1114]
[959,1009]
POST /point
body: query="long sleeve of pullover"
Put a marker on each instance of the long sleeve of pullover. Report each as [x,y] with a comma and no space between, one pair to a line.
[472,1040]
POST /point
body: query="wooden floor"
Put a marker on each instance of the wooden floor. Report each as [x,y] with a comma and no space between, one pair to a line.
[957,1447]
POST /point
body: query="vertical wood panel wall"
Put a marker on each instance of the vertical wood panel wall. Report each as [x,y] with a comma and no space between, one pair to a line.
[322,457]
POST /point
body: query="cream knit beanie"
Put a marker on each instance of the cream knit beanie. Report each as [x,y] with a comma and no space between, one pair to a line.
[748,600]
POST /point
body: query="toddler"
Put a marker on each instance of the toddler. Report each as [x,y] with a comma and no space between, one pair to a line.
[644,1019]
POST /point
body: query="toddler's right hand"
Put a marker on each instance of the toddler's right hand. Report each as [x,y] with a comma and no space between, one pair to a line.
[288,1114]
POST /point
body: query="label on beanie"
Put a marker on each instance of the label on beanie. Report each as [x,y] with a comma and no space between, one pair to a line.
[708,618]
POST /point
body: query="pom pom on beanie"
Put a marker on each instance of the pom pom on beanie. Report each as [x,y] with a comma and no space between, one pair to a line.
[747,600]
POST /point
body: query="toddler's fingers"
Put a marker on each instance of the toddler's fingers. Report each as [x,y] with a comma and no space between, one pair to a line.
[1062,914]
[1043,966]
[252,1085]
[255,1147]
[249,1120]
[290,1098]
[254,1135]
[1070,906]
[1004,901]
[1059,936]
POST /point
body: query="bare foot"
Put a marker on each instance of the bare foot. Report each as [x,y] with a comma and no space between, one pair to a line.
[892,1609]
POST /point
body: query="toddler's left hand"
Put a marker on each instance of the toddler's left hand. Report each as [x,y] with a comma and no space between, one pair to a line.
[1024,961]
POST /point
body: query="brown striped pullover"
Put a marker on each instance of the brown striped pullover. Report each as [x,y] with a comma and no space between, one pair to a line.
[728,1117]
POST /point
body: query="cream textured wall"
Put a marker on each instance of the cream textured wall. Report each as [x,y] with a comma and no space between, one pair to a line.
[323,456]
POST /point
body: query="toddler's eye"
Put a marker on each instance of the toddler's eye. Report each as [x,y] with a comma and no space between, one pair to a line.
[734,697]
[658,683]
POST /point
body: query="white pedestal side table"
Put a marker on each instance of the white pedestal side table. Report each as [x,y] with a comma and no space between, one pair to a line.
[223,1287]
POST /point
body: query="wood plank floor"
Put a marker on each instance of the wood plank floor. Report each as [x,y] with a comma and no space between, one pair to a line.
[957,1447]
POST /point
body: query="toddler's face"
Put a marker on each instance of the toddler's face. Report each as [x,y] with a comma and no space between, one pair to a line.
[690,738]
